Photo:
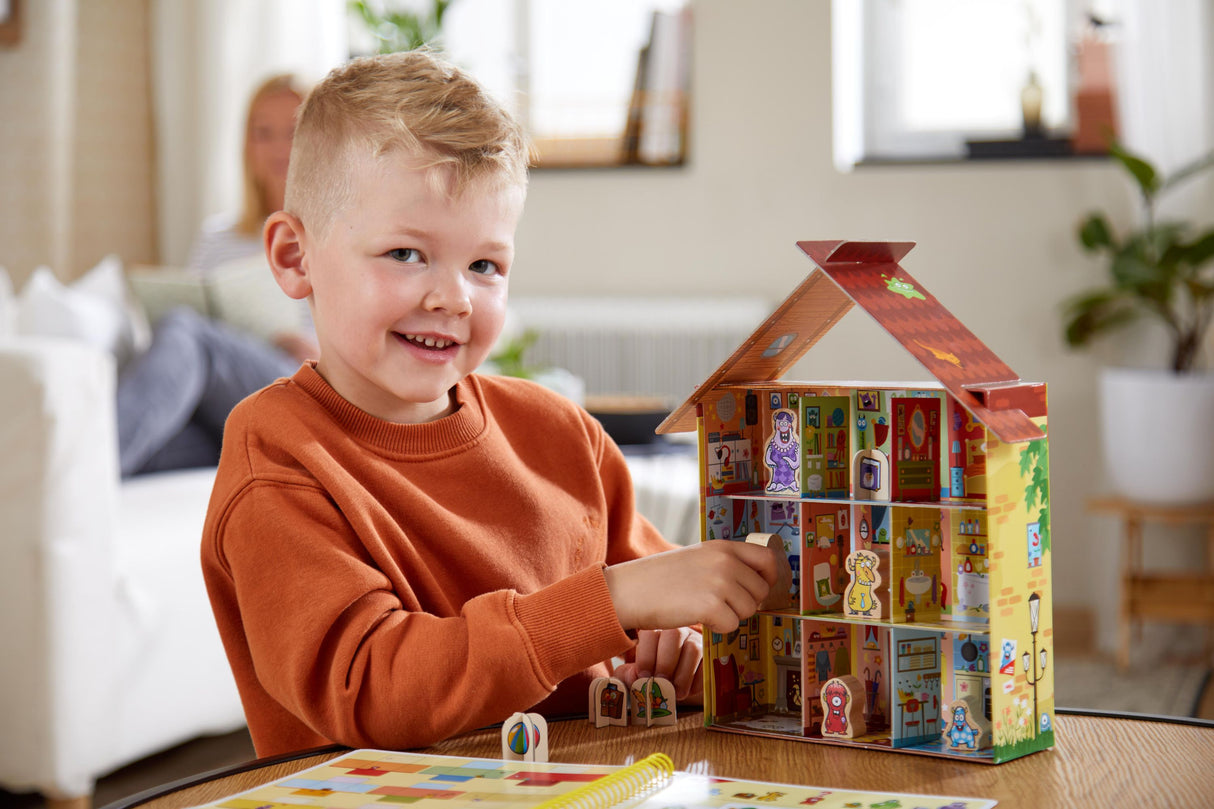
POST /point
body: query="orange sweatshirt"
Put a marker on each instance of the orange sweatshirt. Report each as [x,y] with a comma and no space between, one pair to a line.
[390,585]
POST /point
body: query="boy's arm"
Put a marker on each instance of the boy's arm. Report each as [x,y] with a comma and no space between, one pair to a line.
[336,641]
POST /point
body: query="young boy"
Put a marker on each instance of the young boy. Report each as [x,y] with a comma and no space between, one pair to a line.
[398,550]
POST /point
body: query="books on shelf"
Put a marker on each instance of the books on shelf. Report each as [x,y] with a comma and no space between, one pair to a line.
[362,777]
[655,132]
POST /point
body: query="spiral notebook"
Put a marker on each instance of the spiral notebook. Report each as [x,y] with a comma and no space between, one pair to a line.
[365,777]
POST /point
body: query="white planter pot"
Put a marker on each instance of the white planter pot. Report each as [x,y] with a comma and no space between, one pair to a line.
[1157,431]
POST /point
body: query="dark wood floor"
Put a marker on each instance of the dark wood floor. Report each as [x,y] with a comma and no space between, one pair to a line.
[192,758]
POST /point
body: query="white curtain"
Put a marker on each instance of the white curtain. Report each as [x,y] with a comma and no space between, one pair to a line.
[1166,88]
[208,56]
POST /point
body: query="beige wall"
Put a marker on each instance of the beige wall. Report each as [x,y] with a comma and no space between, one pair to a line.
[75,138]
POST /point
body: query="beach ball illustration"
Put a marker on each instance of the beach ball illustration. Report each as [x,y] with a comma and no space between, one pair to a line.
[518,739]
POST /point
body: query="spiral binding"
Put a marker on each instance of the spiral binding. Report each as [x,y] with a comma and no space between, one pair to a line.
[628,782]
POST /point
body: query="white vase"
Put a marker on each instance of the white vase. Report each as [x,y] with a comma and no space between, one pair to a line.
[1157,430]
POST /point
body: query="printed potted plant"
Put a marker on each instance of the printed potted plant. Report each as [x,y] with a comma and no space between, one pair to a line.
[1158,425]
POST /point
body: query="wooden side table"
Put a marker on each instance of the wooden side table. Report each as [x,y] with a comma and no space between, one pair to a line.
[1180,597]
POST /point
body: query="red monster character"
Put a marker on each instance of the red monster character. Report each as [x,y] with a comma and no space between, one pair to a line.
[834,699]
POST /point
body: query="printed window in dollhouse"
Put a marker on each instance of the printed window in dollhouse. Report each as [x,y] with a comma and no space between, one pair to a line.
[918,541]
[917,655]
[779,344]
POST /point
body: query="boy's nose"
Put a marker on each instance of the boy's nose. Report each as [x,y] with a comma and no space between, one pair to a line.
[449,293]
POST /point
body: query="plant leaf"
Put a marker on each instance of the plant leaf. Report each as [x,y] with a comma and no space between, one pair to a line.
[1129,269]
[1190,170]
[1094,233]
[1201,250]
[1141,170]
[1094,312]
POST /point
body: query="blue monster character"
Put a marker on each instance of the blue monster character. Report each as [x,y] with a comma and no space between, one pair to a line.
[783,454]
[961,733]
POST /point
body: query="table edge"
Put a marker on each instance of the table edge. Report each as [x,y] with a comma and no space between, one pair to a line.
[154,793]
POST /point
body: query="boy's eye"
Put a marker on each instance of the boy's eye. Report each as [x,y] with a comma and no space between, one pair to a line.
[407,255]
[485,267]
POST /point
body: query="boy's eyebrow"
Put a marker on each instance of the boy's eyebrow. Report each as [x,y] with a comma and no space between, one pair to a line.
[417,233]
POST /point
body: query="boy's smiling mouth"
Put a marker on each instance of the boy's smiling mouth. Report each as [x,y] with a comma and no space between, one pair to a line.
[425,341]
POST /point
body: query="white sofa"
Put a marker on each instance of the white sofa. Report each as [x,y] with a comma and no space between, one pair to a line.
[110,651]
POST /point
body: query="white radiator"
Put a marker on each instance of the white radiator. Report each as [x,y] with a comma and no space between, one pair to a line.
[661,347]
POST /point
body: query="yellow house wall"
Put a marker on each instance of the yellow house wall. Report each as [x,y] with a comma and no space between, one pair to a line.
[1013,717]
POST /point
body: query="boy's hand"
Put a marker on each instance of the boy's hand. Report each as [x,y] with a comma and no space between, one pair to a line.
[676,654]
[718,584]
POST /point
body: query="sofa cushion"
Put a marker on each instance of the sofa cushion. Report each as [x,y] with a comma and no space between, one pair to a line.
[96,309]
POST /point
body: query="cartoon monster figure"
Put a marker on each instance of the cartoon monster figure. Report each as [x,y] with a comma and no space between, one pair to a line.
[904,288]
[834,698]
[864,578]
[1007,659]
[961,732]
[783,454]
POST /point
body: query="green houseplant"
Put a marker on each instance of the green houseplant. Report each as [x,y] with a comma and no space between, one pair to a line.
[398,29]
[1157,426]
[1162,269]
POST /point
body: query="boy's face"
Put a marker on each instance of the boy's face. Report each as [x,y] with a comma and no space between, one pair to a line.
[408,287]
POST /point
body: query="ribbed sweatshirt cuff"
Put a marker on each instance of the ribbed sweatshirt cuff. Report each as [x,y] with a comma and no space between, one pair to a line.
[572,624]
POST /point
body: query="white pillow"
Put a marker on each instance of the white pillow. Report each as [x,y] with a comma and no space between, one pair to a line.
[95,309]
[8,305]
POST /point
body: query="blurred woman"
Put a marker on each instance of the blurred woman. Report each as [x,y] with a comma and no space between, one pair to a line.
[174,399]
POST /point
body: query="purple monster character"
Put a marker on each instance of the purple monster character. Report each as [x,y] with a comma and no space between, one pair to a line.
[783,455]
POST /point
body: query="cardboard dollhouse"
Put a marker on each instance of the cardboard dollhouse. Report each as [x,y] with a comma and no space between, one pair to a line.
[915,518]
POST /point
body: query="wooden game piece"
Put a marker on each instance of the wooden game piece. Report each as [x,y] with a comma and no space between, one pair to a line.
[780,596]
[608,702]
[525,738]
[843,703]
[653,701]
[870,471]
[964,724]
[782,454]
[860,597]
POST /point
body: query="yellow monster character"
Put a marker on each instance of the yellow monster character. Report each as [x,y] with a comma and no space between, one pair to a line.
[862,565]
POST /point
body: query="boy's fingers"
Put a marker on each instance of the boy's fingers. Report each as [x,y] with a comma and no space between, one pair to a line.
[759,558]
[687,675]
[670,644]
[756,586]
[646,652]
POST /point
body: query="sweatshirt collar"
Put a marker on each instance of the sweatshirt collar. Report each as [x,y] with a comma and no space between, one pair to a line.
[452,432]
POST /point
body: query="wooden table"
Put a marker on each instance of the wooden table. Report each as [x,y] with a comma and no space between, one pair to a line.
[1099,760]
[1174,596]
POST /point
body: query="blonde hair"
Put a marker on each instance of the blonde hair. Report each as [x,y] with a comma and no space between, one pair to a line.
[255,206]
[411,101]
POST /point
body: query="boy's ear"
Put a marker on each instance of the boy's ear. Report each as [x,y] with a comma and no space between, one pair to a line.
[283,235]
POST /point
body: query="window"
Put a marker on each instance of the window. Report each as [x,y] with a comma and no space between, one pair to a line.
[918,79]
[568,70]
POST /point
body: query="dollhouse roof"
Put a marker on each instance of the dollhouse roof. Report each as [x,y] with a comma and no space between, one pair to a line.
[867,274]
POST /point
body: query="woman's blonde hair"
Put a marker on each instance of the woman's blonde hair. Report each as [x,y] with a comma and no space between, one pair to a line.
[255,206]
[411,101]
